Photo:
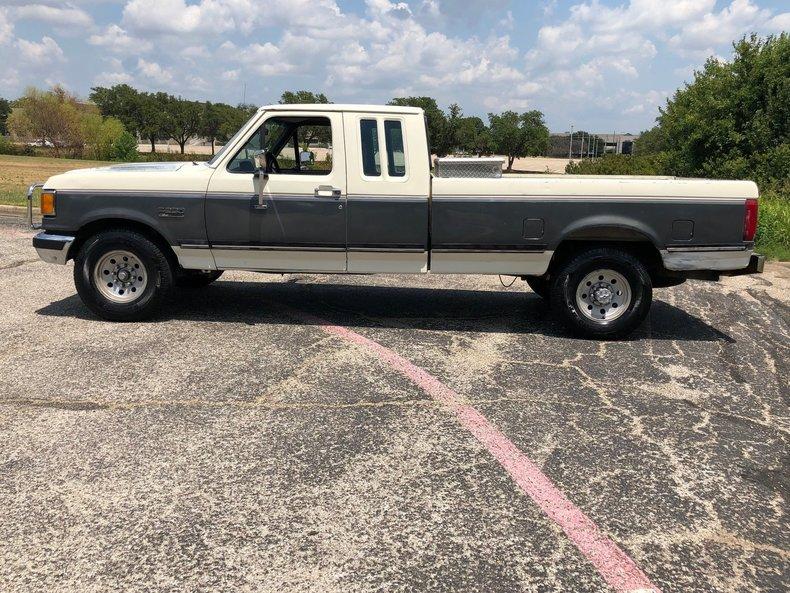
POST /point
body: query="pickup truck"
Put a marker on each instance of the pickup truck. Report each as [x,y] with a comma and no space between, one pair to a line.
[349,189]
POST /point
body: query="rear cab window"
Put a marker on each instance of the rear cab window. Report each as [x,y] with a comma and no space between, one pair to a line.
[372,131]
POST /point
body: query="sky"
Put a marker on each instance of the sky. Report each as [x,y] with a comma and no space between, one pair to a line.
[599,65]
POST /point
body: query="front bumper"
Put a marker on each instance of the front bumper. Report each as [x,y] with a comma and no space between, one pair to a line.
[53,249]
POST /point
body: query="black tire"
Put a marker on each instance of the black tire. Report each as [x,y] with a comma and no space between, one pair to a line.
[570,274]
[540,286]
[158,271]
[196,278]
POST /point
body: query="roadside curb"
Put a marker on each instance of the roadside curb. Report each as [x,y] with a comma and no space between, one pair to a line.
[8,209]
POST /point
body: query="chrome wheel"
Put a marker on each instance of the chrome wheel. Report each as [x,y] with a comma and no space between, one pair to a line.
[603,295]
[120,276]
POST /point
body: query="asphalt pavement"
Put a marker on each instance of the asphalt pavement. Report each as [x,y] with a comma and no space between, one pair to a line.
[294,434]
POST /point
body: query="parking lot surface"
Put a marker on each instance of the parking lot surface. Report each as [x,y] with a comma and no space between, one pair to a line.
[360,433]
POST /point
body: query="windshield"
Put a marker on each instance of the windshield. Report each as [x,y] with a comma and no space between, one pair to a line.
[215,159]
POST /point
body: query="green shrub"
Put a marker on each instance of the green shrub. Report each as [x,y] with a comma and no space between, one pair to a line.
[773,228]
[99,134]
[125,148]
[154,157]
[8,147]
[619,164]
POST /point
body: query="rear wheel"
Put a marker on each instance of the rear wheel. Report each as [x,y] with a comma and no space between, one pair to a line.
[121,275]
[602,293]
[196,278]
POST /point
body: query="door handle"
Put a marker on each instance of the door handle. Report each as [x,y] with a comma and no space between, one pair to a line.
[327,191]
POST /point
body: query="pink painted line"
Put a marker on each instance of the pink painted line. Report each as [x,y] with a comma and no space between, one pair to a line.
[614,565]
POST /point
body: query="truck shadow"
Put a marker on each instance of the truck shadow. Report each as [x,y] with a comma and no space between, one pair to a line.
[451,310]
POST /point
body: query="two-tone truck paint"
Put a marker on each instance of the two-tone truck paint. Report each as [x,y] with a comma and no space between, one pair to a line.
[349,189]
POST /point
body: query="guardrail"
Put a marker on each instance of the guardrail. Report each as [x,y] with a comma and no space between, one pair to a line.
[30,191]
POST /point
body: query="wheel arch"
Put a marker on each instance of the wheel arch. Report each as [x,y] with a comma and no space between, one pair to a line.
[628,235]
[98,225]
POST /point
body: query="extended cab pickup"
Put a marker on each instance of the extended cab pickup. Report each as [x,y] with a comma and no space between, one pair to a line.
[349,189]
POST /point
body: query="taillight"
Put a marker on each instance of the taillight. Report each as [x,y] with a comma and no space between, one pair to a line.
[750,220]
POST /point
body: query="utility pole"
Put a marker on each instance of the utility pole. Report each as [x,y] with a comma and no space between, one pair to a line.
[244,95]
[570,145]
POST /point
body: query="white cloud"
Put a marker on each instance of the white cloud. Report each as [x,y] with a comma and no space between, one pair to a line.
[154,72]
[197,83]
[66,15]
[781,22]
[117,40]
[230,75]
[112,78]
[213,17]
[641,102]
[194,52]
[718,28]
[46,53]
[6,27]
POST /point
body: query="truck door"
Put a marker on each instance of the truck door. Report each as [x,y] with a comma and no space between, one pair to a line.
[301,224]
[388,187]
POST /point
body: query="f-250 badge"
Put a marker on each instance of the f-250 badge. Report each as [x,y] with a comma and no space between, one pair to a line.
[170,212]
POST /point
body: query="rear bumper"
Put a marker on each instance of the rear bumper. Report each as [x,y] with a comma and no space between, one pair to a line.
[706,258]
[53,249]
[756,265]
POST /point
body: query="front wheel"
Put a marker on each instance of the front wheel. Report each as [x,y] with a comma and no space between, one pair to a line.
[121,275]
[602,293]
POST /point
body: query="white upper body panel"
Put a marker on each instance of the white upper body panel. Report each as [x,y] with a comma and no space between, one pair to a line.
[191,177]
[164,177]
[594,186]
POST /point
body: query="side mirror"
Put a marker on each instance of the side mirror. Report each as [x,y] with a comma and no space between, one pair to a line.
[261,160]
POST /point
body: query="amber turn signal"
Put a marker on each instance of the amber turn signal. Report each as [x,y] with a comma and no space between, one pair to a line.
[47,204]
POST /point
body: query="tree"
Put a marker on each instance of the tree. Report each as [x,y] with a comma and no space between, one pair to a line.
[125,148]
[292,97]
[733,119]
[515,135]
[154,117]
[439,134]
[48,116]
[650,141]
[232,118]
[5,111]
[210,123]
[99,134]
[536,134]
[472,136]
[183,120]
[121,102]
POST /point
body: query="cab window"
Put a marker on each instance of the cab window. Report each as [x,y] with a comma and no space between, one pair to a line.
[369,137]
[295,146]
[396,155]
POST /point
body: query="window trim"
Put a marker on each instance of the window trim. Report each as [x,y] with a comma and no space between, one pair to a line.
[362,173]
[256,129]
[405,176]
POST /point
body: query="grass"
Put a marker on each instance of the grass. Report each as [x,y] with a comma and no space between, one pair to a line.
[18,172]
[773,230]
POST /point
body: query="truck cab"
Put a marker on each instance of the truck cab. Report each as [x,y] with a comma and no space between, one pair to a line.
[360,205]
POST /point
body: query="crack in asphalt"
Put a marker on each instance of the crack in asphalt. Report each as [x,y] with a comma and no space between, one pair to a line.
[18,263]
